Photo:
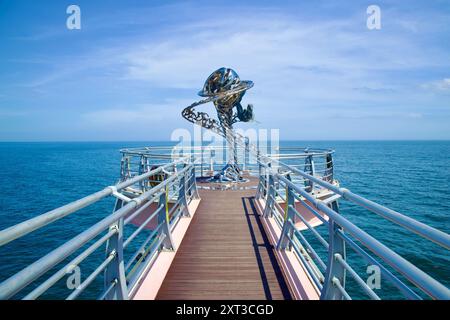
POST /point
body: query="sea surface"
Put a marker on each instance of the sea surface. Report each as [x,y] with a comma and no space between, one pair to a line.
[412,177]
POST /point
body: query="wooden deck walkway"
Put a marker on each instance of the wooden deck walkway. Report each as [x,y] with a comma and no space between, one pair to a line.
[225,253]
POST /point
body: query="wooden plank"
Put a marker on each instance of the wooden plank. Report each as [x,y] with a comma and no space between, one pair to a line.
[225,253]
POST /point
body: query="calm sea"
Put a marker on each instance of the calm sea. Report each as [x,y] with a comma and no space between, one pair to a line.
[412,177]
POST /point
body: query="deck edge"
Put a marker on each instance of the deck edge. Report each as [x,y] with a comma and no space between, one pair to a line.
[148,285]
[299,282]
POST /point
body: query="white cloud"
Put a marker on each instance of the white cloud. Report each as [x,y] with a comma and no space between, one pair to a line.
[135,115]
[440,85]
[295,64]
[302,68]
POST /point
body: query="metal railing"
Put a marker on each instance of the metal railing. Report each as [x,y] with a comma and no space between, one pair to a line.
[166,179]
[212,158]
[170,196]
[278,188]
[305,175]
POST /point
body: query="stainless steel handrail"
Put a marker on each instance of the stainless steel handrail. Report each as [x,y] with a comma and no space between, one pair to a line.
[21,229]
[114,223]
[419,278]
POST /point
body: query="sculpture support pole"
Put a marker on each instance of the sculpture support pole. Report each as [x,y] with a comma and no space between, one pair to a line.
[226,119]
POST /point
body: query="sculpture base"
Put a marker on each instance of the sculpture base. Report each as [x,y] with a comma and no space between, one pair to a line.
[229,173]
[209,183]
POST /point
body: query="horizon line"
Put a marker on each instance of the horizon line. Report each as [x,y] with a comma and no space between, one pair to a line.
[288,140]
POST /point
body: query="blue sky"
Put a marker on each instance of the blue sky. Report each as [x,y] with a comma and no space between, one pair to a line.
[319,73]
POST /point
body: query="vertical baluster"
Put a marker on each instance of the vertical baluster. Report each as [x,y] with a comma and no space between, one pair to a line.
[246,153]
[141,170]
[163,217]
[268,211]
[125,168]
[335,270]
[115,272]
[211,161]
[287,232]
[147,169]
[260,189]
[329,167]
[309,168]
[122,168]
[182,195]
[192,185]
[202,149]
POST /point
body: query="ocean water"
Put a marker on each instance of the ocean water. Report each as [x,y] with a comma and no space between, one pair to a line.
[412,177]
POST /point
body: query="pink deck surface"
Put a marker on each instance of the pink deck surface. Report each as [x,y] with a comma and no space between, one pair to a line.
[306,214]
[141,217]
[301,286]
[147,287]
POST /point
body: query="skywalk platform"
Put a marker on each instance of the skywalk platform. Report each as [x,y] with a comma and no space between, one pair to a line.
[225,253]
[174,235]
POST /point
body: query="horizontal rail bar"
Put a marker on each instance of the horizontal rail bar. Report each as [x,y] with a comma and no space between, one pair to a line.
[308,266]
[407,291]
[413,225]
[140,210]
[341,289]
[309,247]
[21,279]
[421,279]
[63,271]
[23,228]
[141,248]
[142,226]
[92,276]
[357,278]
[311,209]
[103,295]
[156,245]
[313,230]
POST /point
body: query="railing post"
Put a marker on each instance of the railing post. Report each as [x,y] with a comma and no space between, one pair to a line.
[182,196]
[309,168]
[246,153]
[122,168]
[335,270]
[115,272]
[258,161]
[260,189]
[192,185]
[141,171]
[147,169]
[329,168]
[268,210]
[202,159]
[163,217]
[287,232]
[212,154]
[125,168]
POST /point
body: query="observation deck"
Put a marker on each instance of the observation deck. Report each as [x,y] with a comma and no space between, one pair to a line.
[176,234]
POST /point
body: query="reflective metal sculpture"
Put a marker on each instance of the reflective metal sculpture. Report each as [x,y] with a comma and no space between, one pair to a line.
[224,88]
